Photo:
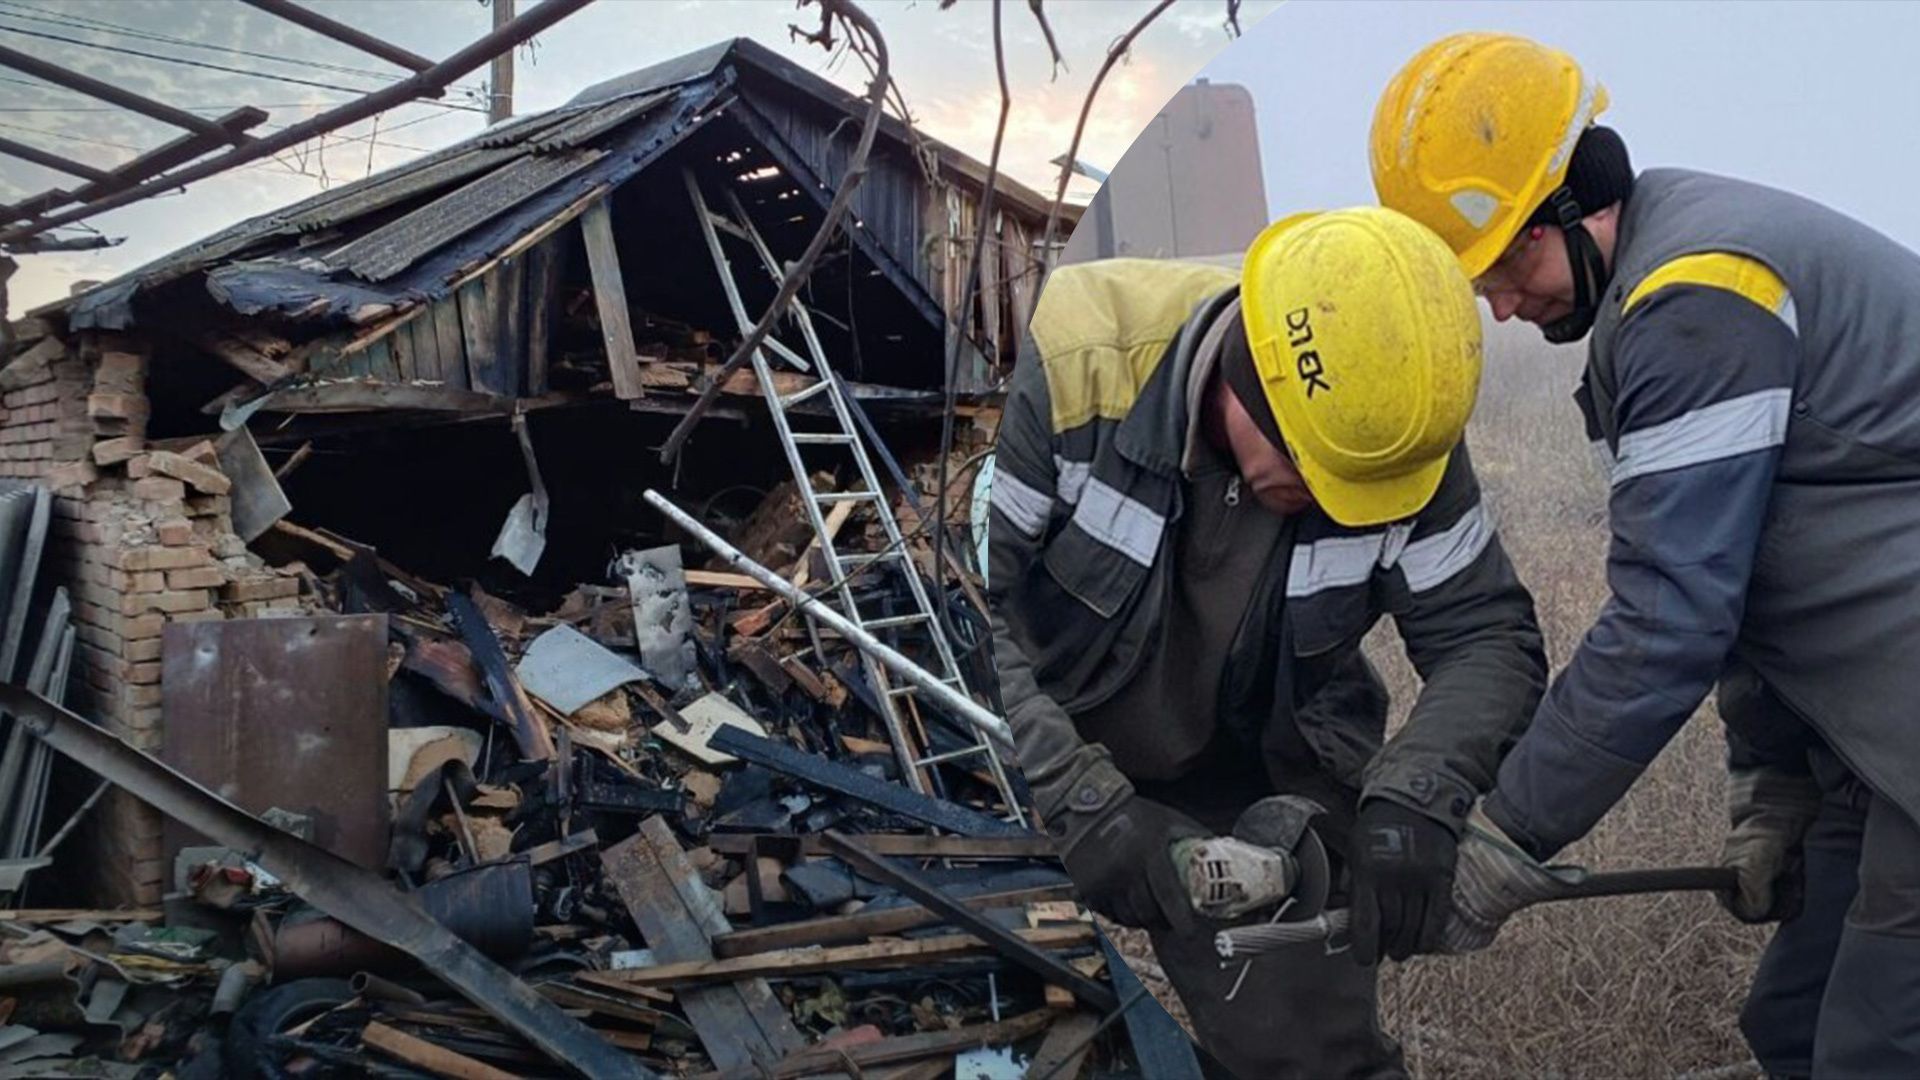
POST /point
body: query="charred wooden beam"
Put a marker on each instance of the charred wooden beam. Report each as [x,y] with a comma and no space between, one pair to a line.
[344,34]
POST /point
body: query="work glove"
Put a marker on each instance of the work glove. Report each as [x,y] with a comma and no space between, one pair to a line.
[1122,863]
[1493,879]
[1771,810]
[1402,880]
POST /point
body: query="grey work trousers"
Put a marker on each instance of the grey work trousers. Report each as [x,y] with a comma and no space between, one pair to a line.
[1301,1014]
[1837,994]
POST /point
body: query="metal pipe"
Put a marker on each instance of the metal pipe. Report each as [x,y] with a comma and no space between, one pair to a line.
[94,88]
[425,84]
[993,727]
[341,32]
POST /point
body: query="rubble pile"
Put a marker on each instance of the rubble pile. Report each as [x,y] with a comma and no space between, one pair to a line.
[667,815]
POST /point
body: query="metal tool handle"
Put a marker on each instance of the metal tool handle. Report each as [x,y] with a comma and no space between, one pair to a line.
[1248,941]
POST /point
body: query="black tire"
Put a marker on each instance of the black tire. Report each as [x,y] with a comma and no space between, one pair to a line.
[249,1051]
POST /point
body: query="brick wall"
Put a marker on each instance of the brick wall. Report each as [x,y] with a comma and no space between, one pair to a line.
[140,537]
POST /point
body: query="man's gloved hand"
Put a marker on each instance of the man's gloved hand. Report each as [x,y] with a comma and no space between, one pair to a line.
[1402,880]
[1122,864]
[1493,879]
[1771,810]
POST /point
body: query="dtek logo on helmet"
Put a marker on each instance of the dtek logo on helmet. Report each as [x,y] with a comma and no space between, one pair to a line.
[1306,361]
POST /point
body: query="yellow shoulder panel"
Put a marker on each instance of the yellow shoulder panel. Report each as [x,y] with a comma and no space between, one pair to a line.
[1737,274]
[1102,327]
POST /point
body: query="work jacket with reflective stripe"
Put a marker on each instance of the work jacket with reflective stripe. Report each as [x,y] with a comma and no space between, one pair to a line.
[1752,377]
[1088,486]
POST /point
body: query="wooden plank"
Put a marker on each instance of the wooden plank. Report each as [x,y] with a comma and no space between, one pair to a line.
[741,1024]
[100,915]
[530,733]
[907,846]
[1160,1044]
[380,362]
[1007,943]
[1063,1052]
[842,929]
[422,1054]
[792,963]
[478,334]
[510,301]
[833,776]
[447,334]
[370,397]
[400,343]
[610,295]
[243,357]
[905,1048]
[426,347]
[544,264]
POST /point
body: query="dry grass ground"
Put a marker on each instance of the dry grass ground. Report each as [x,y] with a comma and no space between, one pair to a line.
[1638,987]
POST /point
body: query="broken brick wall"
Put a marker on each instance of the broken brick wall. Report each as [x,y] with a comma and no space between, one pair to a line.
[141,537]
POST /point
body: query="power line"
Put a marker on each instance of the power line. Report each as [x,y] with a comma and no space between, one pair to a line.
[354,90]
[84,22]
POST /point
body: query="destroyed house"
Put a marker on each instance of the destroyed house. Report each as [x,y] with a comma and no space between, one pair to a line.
[334,407]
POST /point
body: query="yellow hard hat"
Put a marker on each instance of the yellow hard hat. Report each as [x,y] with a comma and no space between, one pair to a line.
[1367,341]
[1474,133]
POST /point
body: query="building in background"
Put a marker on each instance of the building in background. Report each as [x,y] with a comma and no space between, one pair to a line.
[1190,185]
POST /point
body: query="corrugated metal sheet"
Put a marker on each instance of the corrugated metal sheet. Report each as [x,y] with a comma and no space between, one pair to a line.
[395,246]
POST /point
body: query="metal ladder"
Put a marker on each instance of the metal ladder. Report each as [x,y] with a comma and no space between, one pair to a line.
[891,693]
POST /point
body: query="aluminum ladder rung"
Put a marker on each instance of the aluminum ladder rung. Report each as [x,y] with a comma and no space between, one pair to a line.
[807,394]
[895,620]
[868,560]
[845,496]
[809,438]
[909,688]
[951,755]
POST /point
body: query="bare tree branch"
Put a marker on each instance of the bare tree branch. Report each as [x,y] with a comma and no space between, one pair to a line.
[964,315]
[1114,54]
[866,37]
[1046,28]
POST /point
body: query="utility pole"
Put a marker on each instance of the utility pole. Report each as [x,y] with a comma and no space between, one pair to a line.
[500,76]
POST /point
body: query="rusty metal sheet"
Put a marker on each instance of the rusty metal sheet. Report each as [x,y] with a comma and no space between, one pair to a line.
[288,713]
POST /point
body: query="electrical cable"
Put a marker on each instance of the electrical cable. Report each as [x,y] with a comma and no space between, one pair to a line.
[356,91]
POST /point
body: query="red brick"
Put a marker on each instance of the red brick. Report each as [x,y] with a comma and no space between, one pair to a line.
[209,615]
[171,601]
[204,478]
[114,451]
[117,406]
[164,558]
[72,474]
[174,532]
[141,651]
[144,674]
[138,696]
[158,489]
[202,577]
[261,589]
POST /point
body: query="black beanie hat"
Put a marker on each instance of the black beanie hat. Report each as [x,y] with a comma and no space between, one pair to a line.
[1599,175]
[1243,378]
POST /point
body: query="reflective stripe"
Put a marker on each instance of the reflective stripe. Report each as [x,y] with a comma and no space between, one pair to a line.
[1024,505]
[1431,561]
[1749,279]
[1576,126]
[1333,562]
[1071,477]
[1722,430]
[1126,525]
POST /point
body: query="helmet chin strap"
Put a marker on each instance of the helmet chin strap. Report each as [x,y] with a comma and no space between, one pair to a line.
[1589,272]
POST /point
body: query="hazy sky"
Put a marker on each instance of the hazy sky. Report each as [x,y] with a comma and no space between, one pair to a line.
[1819,98]
[943,62]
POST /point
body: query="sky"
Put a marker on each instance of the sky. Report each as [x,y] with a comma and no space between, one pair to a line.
[1818,98]
[943,62]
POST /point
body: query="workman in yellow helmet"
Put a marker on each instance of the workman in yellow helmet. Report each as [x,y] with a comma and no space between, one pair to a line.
[1209,485]
[1753,368]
